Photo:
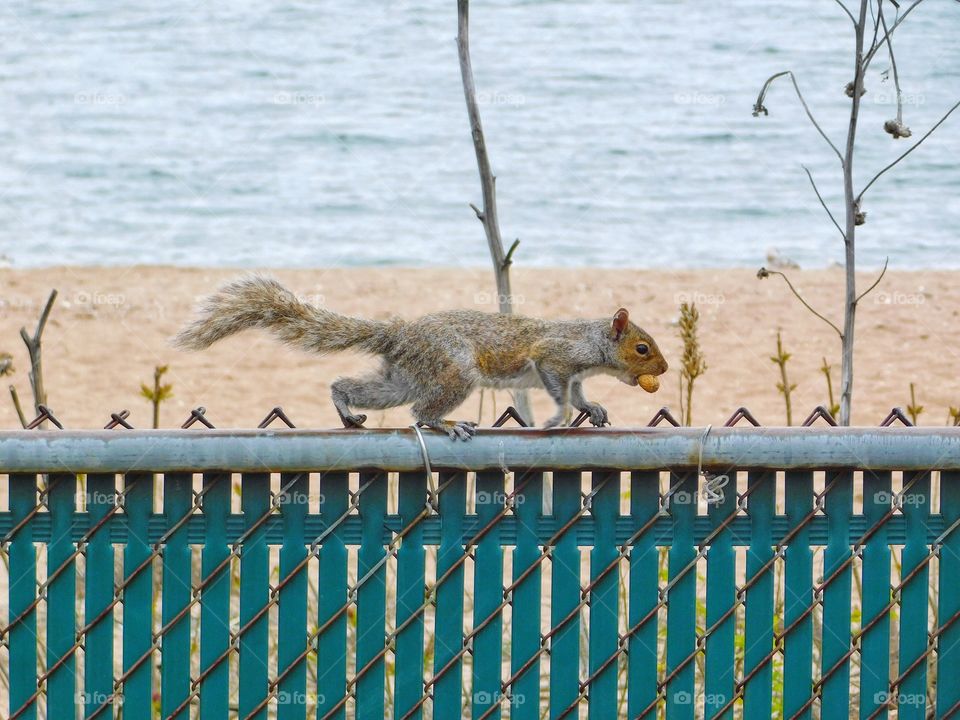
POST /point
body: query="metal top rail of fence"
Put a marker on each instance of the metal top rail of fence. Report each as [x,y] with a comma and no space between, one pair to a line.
[693,572]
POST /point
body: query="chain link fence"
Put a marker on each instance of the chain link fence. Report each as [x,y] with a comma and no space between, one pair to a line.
[663,572]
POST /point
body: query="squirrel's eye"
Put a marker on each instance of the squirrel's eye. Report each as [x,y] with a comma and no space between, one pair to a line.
[642,349]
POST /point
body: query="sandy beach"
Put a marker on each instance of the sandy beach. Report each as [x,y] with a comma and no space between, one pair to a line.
[111,326]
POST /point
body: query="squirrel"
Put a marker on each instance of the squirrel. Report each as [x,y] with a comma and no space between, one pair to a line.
[435,362]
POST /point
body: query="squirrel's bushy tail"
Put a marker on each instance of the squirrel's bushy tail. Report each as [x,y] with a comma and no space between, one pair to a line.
[259,302]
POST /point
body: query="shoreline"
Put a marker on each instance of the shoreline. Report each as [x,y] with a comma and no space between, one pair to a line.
[111,324]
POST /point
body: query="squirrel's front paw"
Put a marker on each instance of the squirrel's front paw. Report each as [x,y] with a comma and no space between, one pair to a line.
[598,414]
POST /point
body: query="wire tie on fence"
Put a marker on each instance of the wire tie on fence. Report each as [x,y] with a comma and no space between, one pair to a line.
[713,484]
[424,453]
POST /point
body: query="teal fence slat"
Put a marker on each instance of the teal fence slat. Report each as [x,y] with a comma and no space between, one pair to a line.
[875,615]
[837,572]
[643,596]
[758,611]
[912,692]
[948,647]
[604,599]
[61,600]
[371,598]
[215,598]
[175,644]
[254,596]
[447,664]
[719,678]
[682,599]
[565,596]
[292,701]
[101,499]
[410,582]
[22,612]
[488,597]
[525,630]
[138,596]
[331,599]
[798,597]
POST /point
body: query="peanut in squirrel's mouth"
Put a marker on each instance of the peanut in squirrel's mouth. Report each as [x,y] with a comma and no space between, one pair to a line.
[650,383]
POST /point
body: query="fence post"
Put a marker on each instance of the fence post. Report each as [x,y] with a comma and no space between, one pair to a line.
[798,596]
[61,600]
[604,610]
[525,638]
[138,596]
[948,648]
[682,599]
[837,574]
[175,643]
[721,612]
[332,600]
[488,596]
[215,597]
[875,615]
[758,613]
[565,594]
[23,592]
[292,611]
[913,598]
[643,596]
[371,596]
[447,687]
[254,595]
[98,648]
[410,584]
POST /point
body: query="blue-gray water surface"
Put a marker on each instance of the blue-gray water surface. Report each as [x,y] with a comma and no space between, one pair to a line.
[323,133]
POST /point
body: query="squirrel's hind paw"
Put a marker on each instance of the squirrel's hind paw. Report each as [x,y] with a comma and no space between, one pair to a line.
[353,421]
[462,429]
[459,429]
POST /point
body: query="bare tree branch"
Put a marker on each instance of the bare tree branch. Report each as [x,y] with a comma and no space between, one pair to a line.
[17,407]
[759,108]
[33,348]
[508,260]
[893,62]
[876,282]
[849,14]
[852,215]
[909,150]
[886,35]
[488,184]
[766,273]
[824,204]
[876,25]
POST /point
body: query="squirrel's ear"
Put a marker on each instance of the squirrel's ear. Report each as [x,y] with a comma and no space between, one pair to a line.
[620,322]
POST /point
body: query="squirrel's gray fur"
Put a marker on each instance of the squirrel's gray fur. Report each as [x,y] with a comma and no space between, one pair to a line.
[435,362]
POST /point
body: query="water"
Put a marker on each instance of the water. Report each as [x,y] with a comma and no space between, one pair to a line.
[334,133]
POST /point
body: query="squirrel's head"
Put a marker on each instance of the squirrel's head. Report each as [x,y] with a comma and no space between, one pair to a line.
[636,354]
